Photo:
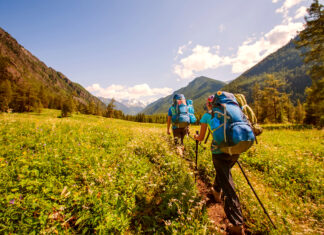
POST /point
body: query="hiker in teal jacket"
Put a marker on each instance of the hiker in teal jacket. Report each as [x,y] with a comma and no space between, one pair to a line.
[180,130]
[223,184]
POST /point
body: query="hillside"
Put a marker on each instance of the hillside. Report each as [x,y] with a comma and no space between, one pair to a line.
[285,64]
[128,110]
[197,90]
[26,74]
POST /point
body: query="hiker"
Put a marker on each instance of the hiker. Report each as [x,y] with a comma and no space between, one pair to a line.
[181,114]
[223,163]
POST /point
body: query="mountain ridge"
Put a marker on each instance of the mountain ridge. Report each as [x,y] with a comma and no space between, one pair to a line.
[195,90]
[24,70]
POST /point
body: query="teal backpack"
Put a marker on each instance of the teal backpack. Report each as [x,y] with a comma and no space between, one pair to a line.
[180,114]
[232,132]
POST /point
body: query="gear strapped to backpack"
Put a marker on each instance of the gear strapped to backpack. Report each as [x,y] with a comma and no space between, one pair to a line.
[232,132]
[191,111]
[257,129]
[180,113]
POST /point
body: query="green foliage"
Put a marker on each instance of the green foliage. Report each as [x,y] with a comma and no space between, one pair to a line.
[271,105]
[312,37]
[89,174]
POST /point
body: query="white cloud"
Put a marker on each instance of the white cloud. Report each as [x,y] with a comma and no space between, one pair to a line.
[141,92]
[182,48]
[301,12]
[250,52]
[200,59]
[284,9]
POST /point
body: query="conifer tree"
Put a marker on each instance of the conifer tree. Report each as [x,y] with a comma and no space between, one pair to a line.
[271,100]
[299,113]
[110,109]
[256,97]
[312,37]
[5,95]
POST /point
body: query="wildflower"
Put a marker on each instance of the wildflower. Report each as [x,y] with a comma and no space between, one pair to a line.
[12,201]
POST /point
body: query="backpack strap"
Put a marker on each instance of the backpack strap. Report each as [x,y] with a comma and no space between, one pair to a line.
[225,119]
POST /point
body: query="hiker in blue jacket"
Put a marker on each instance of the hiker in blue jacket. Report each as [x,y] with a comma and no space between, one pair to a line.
[179,117]
[223,184]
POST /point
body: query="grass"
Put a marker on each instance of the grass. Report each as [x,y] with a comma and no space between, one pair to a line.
[88,174]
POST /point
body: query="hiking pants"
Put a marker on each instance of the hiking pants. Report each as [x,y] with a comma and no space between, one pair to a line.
[179,134]
[223,181]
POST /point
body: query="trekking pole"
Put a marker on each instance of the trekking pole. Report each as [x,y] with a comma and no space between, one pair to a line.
[207,137]
[196,168]
[265,211]
[199,142]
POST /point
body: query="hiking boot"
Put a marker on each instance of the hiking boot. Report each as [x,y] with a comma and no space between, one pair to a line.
[217,195]
[235,229]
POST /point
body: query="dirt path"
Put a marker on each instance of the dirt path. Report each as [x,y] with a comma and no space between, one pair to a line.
[215,210]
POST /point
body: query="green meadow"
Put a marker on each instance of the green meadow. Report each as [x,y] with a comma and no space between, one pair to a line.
[89,174]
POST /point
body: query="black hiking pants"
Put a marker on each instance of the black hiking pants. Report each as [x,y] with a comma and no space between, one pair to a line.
[179,134]
[223,164]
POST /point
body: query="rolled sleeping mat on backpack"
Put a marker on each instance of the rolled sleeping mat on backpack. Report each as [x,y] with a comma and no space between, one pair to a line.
[250,114]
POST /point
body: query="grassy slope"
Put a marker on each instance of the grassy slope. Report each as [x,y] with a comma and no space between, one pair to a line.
[92,174]
[99,174]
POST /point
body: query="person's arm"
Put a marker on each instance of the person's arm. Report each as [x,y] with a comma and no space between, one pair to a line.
[168,125]
[202,133]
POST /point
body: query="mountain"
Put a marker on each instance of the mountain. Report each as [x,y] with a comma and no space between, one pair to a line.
[197,90]
[32,81]
[285,64]
[128,107]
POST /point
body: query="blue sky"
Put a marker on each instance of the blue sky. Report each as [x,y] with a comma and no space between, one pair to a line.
[141,50]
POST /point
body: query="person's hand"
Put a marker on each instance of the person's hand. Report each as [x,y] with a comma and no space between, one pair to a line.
[168,132]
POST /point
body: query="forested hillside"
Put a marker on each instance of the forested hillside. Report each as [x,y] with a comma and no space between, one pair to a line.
[286,65]
[197,90]
[28,84]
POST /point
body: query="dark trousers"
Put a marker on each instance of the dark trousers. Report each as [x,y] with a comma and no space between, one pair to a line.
[223,164]
[179,134]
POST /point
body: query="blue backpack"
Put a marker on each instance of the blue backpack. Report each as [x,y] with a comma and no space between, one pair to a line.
[179,109]
[232,132]
[191,111]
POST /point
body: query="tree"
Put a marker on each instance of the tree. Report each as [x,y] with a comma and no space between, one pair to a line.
[299,113]
[91,108]
[271,104]
[67,108]
[110,109]
[5,95]
[43,97]
[312,38]
[256,97]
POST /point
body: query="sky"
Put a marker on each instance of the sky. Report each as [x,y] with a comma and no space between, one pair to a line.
[141,50]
